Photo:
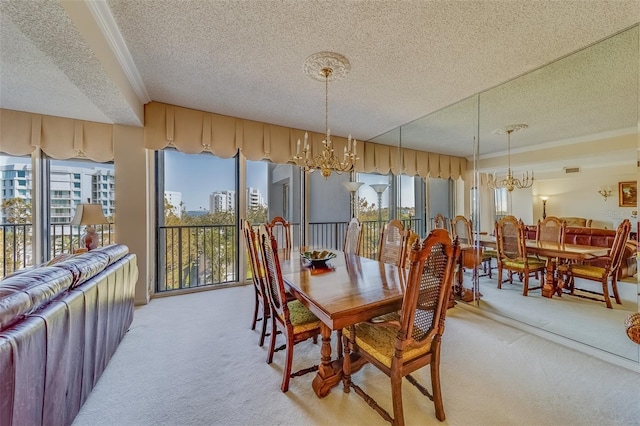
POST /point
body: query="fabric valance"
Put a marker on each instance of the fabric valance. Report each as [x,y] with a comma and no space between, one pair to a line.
[59,138]
[194,131]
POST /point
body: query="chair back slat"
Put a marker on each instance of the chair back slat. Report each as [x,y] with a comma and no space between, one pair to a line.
[353,237]
[510,238]
[617,249]
[428,288]
[274,282]
[391,245]
[281,230]
[256,264]
[440,222]
[551,229]
[461,229]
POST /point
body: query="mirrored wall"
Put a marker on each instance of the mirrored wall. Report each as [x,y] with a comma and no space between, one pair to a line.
[580,143]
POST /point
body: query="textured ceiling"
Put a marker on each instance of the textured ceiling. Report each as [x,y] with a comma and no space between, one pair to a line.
[244,59]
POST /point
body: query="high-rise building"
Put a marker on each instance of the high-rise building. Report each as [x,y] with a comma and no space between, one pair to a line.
[222,201]
[68,187]
[254,198]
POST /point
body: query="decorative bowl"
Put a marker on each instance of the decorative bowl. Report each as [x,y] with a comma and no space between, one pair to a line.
[318,259]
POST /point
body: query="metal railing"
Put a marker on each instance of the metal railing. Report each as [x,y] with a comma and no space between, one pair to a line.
[191,256]
[16,243]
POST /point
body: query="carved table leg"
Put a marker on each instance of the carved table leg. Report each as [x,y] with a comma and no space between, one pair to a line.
[329,373]
[550,284]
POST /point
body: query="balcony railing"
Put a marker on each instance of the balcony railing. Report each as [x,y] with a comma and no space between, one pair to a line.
[196,256]
[16,243]
[206,255]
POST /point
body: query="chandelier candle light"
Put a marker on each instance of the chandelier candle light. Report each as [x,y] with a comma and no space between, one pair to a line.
[510,182]
[326,66]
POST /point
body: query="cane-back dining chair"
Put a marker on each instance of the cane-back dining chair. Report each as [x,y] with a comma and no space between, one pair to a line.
[474,257]
[391,245]
[258,277]
[295,321]
[512,253]
[550,230]
[603,274]
[281,230]
[353,237]
[412,340]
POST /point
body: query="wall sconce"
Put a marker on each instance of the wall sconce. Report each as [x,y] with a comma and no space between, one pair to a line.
[605,191]
[544,199]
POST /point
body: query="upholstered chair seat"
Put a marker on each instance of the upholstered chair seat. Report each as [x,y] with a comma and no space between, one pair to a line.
[302,319]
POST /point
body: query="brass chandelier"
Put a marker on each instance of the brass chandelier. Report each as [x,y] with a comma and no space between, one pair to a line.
[510,182]
[326,66]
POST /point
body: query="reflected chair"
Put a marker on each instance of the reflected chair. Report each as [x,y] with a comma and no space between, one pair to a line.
[295,321]
[512,253]
[391,245]
[550,230]
[412,340]
[281,230]
[461,228]
[258,278]
[608,273]
[440,222]
[353,237]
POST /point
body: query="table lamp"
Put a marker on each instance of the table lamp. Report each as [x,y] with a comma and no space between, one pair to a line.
[88,215]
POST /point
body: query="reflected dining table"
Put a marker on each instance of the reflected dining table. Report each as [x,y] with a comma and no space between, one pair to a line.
[573,252]
[352,289]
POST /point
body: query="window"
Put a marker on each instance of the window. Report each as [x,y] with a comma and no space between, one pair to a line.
[197,220]
[16,227]
[501,202]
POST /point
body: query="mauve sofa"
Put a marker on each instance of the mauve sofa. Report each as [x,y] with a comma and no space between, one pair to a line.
[59,327]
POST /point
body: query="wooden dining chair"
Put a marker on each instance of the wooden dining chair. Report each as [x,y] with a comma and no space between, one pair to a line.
[391,244]
[462,228]
[512,253]
[353,237]
[281,230]
[292,318]
[412,340]
[261,305]
[603,274]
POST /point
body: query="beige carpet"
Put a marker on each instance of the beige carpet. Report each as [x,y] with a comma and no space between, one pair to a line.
[583,320]
[192,360]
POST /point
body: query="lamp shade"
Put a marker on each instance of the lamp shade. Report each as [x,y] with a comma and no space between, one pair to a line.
[89,214]
[379,187]
[352,186]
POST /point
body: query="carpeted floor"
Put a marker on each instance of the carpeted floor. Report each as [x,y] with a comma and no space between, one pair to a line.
[192,360]
[583,320]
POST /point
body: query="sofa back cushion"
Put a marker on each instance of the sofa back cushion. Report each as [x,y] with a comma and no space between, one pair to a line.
[24,293]
[589,236]
[84,266]
[114,251]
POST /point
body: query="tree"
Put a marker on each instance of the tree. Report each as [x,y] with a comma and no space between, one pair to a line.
[16,233]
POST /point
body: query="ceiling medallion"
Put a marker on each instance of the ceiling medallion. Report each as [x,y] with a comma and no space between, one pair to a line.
[316,63]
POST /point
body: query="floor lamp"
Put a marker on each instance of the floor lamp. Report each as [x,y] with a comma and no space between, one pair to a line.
[379,188]
[353,187]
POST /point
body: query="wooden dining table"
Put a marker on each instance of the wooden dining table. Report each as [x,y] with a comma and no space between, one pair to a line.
[573,252]
[352,289]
